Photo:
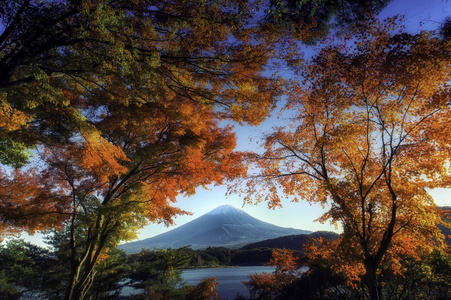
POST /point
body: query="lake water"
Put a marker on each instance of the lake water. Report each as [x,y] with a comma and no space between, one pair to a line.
[229,279]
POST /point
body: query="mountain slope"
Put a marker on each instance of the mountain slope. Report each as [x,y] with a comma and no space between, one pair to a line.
[293,242]
[224,226]
[446,230]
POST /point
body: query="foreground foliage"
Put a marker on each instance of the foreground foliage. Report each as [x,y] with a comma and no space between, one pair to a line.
[29,271]
[303,278]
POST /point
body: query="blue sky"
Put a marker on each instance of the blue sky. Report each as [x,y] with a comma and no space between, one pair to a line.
[419,15]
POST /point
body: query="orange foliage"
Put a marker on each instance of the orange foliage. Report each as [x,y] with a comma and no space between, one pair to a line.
[369,138]
[11,119]
[100,156]
[204,290]
[28,202]
[285,261]
[127,169]
[266,285]
[339,255]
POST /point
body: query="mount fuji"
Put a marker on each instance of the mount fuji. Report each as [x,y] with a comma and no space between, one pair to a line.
[223,226]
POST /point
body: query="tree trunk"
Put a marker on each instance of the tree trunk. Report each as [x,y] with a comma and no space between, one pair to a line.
[78,291]
[73,281]
[73,294]
[70,291]
[371,281]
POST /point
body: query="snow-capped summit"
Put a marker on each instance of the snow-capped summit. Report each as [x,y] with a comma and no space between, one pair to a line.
[225,209]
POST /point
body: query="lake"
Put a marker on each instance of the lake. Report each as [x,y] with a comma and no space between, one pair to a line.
[229,279]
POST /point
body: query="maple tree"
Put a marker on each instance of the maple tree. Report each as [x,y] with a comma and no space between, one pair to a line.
[312,277]
[168,152]
[204,290]
[67,64]
[298,277]
[369,137]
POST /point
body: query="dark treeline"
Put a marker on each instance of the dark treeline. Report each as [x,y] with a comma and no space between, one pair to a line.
[294,242]
[255,254]
[221,256]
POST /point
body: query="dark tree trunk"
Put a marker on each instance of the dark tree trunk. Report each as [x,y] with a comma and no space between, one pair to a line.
[371,281]
[78,290]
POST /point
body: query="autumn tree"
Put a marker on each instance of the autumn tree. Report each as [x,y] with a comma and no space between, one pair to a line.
[204,290]
[124,99]
[369,137]
[55,53]
[27,202]
[298,277]
[427,278]
[161,152]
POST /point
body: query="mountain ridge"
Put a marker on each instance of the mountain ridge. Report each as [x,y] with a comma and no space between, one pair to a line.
[223,226]
[294,242]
